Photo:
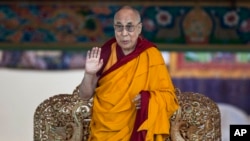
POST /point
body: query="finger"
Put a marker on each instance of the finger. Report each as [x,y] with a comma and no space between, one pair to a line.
[137,97]
[88,54]
[93,52]
[96,52]
[99,53]
[100,63]
[138,105]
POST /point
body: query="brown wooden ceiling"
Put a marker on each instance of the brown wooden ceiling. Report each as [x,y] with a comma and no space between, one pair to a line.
[214,2]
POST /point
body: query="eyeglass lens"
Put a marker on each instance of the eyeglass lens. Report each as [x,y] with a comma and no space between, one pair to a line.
[129,28]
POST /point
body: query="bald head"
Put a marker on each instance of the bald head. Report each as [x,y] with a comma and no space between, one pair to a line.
[128,10]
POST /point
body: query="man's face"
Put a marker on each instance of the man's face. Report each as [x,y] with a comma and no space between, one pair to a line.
[127,29]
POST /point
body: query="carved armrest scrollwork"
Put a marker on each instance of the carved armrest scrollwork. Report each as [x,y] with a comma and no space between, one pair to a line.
[198,118]
[62,117]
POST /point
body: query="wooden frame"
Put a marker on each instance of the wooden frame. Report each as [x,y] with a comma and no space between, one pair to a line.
[210,65]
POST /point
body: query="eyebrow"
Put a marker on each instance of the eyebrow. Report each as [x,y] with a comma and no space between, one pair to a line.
[129,23]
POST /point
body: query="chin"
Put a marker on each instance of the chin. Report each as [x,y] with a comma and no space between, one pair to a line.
[127,47]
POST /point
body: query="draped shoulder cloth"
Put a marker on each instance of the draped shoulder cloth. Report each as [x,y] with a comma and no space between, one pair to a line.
[115,117]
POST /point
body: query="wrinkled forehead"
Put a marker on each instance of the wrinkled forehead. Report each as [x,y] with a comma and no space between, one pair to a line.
[126,17]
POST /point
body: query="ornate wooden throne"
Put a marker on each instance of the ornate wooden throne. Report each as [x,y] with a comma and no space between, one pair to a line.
[65,117]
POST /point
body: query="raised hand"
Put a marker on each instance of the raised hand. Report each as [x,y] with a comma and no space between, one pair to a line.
[93,61]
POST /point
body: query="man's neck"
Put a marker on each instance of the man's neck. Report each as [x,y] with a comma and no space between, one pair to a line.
[128,51]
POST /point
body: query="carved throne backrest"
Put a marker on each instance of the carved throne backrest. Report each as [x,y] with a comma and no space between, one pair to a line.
[65,117]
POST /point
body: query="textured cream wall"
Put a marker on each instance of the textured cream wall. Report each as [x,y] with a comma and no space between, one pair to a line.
[22,91]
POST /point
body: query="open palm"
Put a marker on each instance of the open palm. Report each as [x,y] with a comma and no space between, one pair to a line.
[93,61]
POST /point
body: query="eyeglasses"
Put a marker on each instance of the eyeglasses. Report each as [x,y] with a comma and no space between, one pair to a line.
[129,28]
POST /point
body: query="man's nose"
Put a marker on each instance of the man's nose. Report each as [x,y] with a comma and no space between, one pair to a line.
[124,31]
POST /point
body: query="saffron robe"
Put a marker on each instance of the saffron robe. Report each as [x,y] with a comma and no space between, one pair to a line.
[122,78]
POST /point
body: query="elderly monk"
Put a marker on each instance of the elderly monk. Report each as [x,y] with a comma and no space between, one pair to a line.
[133,95]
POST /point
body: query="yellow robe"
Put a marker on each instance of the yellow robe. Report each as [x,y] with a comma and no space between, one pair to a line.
[114,112]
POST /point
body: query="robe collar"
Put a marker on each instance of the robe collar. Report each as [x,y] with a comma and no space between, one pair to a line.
[142,45]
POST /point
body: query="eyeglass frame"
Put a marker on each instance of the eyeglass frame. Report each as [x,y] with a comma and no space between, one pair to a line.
[126,27]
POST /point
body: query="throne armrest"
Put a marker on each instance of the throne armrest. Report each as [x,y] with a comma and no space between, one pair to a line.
[62,117]
[198,118]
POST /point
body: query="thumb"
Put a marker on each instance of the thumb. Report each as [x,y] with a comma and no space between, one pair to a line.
[100,64]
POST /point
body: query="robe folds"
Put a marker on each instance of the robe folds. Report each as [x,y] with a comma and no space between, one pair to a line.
[122,78]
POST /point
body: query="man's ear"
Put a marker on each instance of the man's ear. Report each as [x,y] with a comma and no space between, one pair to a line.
[139,28]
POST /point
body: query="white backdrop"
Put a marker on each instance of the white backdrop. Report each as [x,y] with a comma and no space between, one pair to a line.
[22,91]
